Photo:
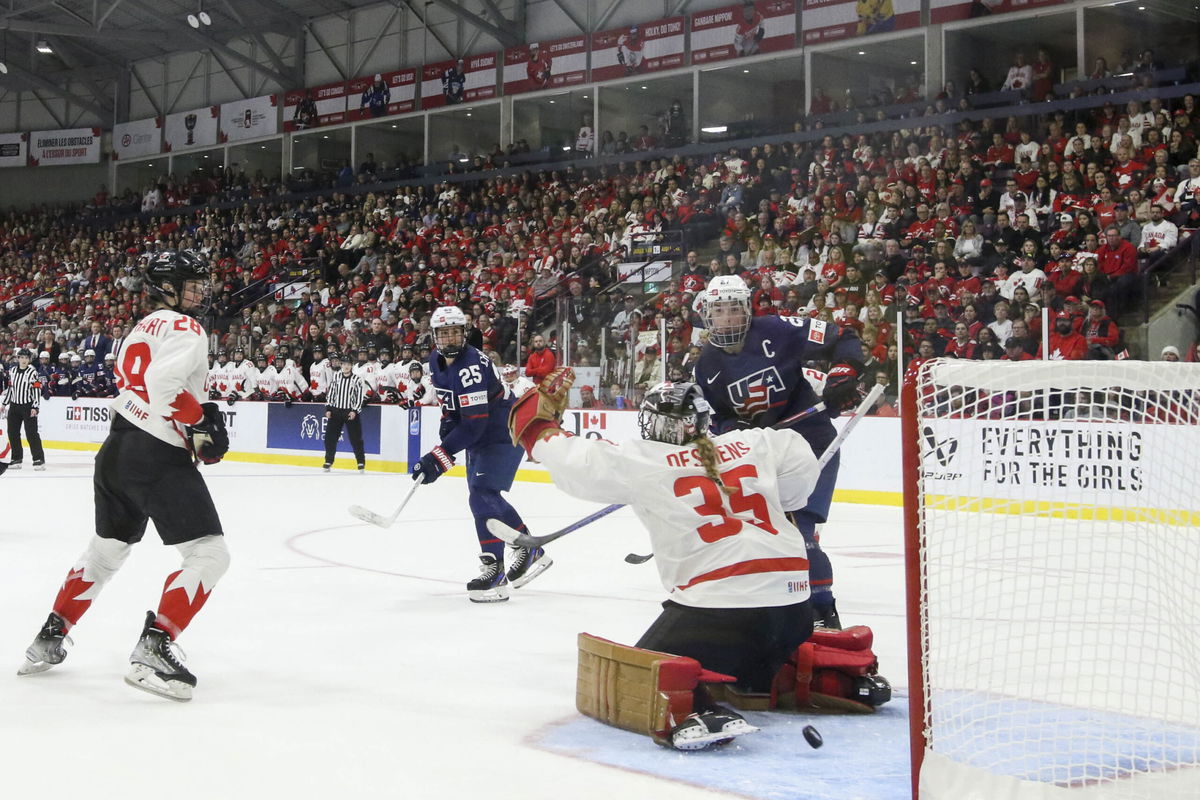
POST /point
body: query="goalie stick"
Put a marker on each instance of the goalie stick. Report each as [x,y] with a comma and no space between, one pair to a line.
[826,457]
[367,515]
[514,537]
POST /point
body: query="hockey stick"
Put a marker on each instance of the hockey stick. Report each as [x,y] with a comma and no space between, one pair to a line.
[826,457]
[366,515]
[513,537]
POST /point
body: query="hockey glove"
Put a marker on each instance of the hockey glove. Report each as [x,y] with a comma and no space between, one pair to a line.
[841,388]
[540,411]
[432,465]
[213,394]
[287,403]
[232,399]
[210,440]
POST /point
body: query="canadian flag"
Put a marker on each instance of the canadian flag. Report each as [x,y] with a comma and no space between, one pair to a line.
[595,422]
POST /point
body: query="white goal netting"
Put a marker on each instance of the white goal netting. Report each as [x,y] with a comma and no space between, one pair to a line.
[1054,518]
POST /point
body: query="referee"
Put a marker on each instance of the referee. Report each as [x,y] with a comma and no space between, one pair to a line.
[345,398]
[24,397]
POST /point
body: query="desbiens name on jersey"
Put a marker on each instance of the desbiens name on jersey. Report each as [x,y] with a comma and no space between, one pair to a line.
[691,457]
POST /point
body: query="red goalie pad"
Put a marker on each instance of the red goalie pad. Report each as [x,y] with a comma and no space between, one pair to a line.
[834,671]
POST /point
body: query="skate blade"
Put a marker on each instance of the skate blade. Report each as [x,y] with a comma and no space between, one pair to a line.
[34,667]
[496,595]
[541,565]
[143,677]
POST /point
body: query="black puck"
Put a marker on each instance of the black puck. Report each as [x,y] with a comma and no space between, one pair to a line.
[813,737]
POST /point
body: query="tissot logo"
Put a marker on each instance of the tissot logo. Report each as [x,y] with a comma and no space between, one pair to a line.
[944,450]
[87,413]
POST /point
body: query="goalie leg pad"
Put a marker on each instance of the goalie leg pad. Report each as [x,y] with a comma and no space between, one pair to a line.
[638,690]
[836,672]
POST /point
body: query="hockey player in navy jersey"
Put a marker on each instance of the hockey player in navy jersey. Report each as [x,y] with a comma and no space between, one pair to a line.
[475,410]
[89,373]
[752,374]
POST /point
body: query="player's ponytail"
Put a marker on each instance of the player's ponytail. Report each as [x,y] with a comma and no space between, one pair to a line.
[708,457]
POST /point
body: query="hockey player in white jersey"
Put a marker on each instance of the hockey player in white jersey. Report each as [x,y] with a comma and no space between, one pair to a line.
[418,387]
[320,372]
[264,378]
[289,378]
[735,569]
[368,370]
[391,383]
[243,377]
[515,383]
[146,470]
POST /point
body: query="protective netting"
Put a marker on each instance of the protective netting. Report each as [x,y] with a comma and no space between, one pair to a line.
[1059,546]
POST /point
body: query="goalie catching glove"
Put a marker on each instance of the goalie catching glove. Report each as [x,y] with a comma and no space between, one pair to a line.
[539,412]
[210,440]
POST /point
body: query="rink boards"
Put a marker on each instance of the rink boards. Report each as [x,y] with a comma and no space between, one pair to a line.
[272,434]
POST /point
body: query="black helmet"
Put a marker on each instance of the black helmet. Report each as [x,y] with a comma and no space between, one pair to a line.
[25,352]
[166,273]
[675,413]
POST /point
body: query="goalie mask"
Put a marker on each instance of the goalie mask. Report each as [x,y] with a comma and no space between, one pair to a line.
[726,311]
[449,325]
[674,413]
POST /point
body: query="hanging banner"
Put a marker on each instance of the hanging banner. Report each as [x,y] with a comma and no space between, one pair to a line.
[830,20]
[449,83]
[72,146]
[638,49]
[187,129]
[545,65]
[13,149]
[314,107]
[745,29]
[951,10]
[382,95]
[249,119]
[142,137]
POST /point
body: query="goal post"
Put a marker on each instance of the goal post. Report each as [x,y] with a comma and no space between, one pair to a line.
[1052,546]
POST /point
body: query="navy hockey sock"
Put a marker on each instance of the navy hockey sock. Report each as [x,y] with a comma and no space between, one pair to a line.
[820,570]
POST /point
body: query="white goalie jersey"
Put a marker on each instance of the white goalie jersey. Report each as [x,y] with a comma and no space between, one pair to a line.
[713,550]
[162,374]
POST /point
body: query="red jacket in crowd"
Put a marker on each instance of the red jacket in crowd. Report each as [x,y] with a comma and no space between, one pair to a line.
[1119,260]
[540,364]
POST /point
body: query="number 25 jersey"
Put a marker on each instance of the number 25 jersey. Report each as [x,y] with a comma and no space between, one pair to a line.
[713,550]
[161,371]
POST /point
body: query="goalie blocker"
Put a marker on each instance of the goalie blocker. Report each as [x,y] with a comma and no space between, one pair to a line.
[654,693]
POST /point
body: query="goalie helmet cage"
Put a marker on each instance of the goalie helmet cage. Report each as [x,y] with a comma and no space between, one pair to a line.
[1053,604]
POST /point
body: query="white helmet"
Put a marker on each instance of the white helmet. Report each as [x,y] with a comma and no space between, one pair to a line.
[445,318]
[729,296]
[75,359]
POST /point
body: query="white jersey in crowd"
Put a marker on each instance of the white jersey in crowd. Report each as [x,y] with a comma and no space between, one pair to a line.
[519,386]
[712,550]
[162,372]
[290,379]
[369,372]
[320,373]
[1164,235]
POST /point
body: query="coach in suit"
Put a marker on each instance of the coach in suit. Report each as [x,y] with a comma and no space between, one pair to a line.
[98,341]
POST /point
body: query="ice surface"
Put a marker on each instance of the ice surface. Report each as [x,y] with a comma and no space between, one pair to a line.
[336,659]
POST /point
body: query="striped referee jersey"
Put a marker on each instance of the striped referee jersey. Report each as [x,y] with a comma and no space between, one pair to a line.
[24,386]
[346,393]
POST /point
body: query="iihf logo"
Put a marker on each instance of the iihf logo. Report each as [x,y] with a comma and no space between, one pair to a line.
[944,451]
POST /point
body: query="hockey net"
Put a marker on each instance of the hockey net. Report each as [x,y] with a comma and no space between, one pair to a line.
[1052,552]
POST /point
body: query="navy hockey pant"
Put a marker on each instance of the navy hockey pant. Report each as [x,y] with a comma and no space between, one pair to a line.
[490,471]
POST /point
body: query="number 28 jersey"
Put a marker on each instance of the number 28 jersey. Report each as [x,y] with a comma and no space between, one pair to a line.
[713,550]
[161,371]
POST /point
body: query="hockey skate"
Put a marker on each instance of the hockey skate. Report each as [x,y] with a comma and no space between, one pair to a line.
[527,564]
[156,665]
[709,729]
[327,466]
[49,648]
[827,617]
[491,586]
[39,466]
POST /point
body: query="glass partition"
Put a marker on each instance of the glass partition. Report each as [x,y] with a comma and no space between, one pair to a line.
[746,99]
[321,150]
[552,122]
[658,110]
[183,164]
[866,73]
[991,49]
[1119,36]
[463,134]
[265,158]
[137,175]
[392,147]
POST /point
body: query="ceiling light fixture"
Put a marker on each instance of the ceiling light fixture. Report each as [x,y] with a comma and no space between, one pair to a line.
[44,47]
[201,17]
